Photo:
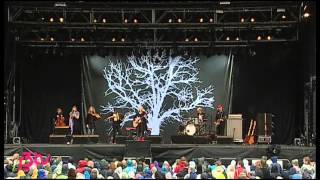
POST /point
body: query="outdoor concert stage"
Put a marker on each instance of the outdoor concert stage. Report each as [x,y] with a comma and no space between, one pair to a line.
[160,151]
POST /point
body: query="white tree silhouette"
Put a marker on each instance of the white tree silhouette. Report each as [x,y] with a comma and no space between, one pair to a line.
[153,80]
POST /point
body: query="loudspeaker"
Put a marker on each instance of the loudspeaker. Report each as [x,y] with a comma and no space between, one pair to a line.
[184,139]
[154,139]
[224,140]
[122,139]
[138,148]
[16,140]
[261,119]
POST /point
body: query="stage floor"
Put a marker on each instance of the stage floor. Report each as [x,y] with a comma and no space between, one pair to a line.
[160,151]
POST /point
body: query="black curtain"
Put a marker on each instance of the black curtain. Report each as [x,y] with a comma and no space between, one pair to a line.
[271,82]
[47,81]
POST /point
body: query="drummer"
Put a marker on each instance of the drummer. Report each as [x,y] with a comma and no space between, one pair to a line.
[201,114]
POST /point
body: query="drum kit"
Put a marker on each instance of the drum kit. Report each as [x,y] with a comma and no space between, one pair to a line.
[193,126]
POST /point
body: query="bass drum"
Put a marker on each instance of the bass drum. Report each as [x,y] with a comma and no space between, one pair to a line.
[190,130]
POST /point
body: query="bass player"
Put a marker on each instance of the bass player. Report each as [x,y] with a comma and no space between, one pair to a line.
[220,120]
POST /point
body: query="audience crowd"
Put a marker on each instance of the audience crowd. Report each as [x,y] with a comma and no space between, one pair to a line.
[57,168]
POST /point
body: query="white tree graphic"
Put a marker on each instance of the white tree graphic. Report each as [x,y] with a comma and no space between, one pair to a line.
[152,81]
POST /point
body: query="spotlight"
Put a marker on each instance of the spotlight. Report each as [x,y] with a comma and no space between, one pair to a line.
[170,20]
[269,37]
[187,39]
[179,20]
[211,20]
[283,16]
[122,39]
[125,20]
[51,39]
[72,39]
[252,19]
[135,20]
[51,19]
[259,38]
[306,15]
[242,20]
[82,39]
[61,20]
[228,38]
[201,20]
[237,39]
[104,20]
[113,39]
[196,39]
[95,21]
[42,39]
[42,18]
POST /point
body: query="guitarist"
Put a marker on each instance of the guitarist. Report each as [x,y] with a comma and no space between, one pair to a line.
[142,119]
[220,120]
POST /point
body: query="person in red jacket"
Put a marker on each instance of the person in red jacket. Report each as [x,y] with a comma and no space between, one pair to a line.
[239,169]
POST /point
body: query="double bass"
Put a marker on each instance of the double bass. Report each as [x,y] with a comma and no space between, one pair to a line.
[60,121]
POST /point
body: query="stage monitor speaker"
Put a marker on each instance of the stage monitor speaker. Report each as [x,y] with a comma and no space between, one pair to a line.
[62,130]
[184,139]
[224,140]
[261,119]
[138,148]
[77,139]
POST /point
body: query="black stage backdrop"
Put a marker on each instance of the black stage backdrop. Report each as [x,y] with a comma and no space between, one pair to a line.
[271,82]
[47,82]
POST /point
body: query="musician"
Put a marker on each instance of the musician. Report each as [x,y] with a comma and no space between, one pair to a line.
[116,121]
[202,126]
[92,116]
[142,127]
[220,120]
[74,122]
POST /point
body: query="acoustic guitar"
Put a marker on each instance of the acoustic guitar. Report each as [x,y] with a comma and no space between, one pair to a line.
[136,121]
[246,139]
[252,138]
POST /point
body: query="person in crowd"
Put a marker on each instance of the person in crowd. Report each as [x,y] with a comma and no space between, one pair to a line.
[307,169]
[275,168]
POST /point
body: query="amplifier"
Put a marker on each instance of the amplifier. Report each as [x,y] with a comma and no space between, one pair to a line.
[264,140]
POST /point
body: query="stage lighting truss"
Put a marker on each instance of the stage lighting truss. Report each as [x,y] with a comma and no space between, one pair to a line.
[157,24]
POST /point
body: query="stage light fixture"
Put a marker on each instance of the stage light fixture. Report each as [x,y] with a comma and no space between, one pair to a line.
[51,39]
[259,38]
[42,39]
[269,37]
[179,20]
[237,38]
[122,39]
[187,39]
[51,19]
[135,20]
[61,20]
[82,39]
[170,20]
[196,39]
[94,20]
[125,20]
[72,39]
[252,19]
[42,18]
[211,20]
[283,17]
[306,14]
[201,20]
[113,39]
[104,20]
[228,38]
[242,20]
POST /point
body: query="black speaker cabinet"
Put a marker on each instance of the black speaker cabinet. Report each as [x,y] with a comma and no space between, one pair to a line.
[138,148]
[224,140]
[184,139]
[262,119]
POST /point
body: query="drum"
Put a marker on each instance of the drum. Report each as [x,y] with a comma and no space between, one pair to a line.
[190,130]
